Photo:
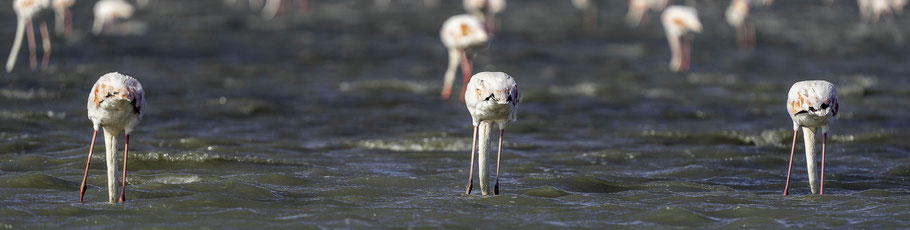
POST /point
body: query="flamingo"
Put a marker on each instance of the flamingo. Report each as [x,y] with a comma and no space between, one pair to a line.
[115,104]
[494,99]
[64,17]
[106,11]
[679,22]
[25,10]
[898,6]
[737,15]
[874,9]
[812,105]
[462,35]
[486,10]
[590,12]
[638,10]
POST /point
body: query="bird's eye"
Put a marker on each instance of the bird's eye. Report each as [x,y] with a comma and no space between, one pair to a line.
[110,94]
[811,108]
[824,106]
[488,97]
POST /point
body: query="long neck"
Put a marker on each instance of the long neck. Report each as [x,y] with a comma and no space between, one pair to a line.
[482,145]
[676,54]
[110,147]
[809,139]
[454,56]
[20,29]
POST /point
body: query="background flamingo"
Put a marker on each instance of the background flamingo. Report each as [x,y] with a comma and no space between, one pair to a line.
[679,24]
[25,10]
[462,35]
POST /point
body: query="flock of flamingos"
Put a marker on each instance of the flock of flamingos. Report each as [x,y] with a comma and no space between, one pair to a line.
[116,101]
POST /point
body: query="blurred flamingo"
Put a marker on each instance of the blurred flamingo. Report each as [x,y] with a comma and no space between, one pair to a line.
[486,10]
[737,16]
[638,10]
[107,11]
[462,35]
[680,22]
[64,16]
[25,11]
[590,13]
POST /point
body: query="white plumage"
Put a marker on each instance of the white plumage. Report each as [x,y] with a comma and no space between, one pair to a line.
[116,104]
[462,35]
[484,8]
[25,10]
[680,22]
[811,105]
[491,97]
[63,25]
[106,11]
[638,10]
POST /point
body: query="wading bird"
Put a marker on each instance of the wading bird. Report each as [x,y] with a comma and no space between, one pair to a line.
[737,16]
[638,10]
[463,35]
[590,13]
[680,22]
[25,10]
[873,10]
[64,17]
[486,10]
[812,105]
[492,97]
[115,103]
[106,11]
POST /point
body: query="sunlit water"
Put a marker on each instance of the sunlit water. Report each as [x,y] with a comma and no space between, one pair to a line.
[331,118]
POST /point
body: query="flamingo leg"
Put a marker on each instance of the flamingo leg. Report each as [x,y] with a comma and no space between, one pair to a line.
[67,22]
[790,165]
[498,157]
[125,153]
[91,148]
[685,54]
[821,187]
[471,172]
[46,42]
[466,72]
[590,18]
[32,54]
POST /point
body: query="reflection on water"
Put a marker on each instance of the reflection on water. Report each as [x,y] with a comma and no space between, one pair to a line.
[331,118]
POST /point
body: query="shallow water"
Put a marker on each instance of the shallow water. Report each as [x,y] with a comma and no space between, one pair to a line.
[331,118]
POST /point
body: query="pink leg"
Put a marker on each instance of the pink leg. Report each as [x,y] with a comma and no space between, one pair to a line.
[108,27]
[590,18]
[790,166]
[125,152]
[686,55]
[91,148]
[821,187]
[498,157]
[304,5]
[67,22]
[45,38]
[466,72]
[32,54]
[471,172]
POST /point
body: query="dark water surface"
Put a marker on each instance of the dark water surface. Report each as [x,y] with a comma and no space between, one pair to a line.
[331,118]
